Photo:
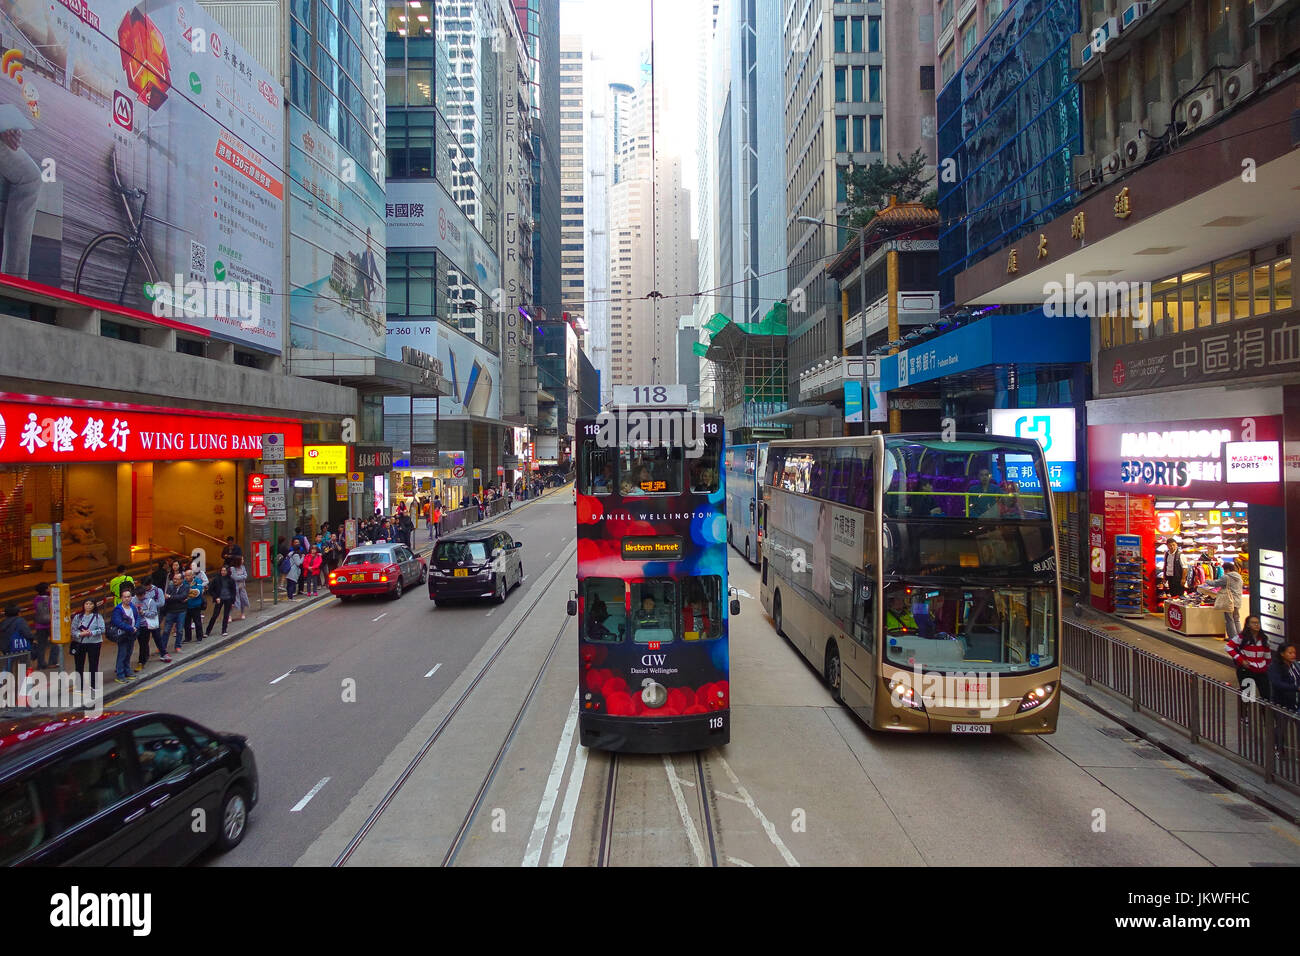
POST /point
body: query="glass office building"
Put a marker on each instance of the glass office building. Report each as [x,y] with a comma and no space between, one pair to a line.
[1011,121]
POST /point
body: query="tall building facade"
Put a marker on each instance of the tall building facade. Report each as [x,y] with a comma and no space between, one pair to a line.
[573,151]
[540,22]
[858,88]
[596,180]
[706,303]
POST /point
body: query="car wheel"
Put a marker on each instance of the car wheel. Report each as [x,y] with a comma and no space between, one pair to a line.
[397,589]
[521,573]
[345,598]
[424,575]
[234,819]
[500,596]
[833,676]
[776,613]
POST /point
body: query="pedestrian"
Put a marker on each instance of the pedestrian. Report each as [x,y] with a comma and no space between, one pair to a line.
[87,640]
[15,636]
[435,519]
[123,627]
[311,565]
[115,584]
[222,589]
[1251,652]
[160,575]
[149,605]
[1228,598]
[294,574]
[239,574]
[198,583]
[1284,677]
[231,550]
[176,598]
[41,633]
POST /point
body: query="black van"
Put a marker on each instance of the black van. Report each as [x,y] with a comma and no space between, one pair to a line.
[122,788]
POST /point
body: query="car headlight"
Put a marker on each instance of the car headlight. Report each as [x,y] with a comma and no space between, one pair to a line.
[904,695]
[1035,697]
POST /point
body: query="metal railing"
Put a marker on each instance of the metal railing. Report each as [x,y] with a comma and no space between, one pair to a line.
[1257,733]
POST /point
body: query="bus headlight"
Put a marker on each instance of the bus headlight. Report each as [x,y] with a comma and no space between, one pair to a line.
[1035,697]
[902,694]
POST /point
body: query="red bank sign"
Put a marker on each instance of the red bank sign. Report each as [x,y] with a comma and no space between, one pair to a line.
[67,431]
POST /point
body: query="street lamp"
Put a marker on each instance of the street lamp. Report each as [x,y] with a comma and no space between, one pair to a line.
[862,296]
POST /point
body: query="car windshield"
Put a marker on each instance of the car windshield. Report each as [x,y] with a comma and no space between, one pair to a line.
[368,557]
[462,551]
[996,630]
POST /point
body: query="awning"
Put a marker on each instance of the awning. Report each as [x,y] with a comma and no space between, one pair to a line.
[806,411]
[369,374]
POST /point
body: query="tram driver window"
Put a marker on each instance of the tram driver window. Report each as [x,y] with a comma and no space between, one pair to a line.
[604,612]
[702,608]
[654,611]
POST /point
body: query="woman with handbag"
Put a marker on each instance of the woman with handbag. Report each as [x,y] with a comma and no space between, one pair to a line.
[87,640]
[222,590]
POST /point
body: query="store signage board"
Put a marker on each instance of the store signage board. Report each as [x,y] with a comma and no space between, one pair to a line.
[373,457]
[324,459]
[1250,461]
[42,542]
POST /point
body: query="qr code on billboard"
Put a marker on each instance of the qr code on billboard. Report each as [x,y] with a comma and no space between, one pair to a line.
[198,258]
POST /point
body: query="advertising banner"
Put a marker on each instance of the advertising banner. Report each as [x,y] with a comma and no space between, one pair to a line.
[144,123]
[421,215]
[474,372]
[337,264]
[325,459]
[54,433]
[1053,428]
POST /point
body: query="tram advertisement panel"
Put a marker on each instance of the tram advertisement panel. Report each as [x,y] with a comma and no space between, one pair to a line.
[653,606]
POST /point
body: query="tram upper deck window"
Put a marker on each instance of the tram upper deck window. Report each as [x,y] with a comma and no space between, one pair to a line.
[704,468]
[650,470]
[598,469]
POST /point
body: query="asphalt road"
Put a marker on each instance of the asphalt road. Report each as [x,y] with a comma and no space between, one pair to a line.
[326,694]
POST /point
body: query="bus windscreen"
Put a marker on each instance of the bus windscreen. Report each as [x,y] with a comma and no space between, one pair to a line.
[988,480]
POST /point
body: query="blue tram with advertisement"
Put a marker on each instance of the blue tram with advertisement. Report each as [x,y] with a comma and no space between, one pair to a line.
[652,599]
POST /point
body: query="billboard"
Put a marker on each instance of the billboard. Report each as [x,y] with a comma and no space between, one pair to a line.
[421,215]
[337,263]
[141,144]
[473,371]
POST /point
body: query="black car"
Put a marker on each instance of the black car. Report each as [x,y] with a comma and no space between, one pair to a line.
[121,788]
[475,564]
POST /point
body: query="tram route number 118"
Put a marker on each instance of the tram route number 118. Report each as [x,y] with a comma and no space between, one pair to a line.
[715,723]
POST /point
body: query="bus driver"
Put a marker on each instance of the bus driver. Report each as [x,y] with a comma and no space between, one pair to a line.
[898,619]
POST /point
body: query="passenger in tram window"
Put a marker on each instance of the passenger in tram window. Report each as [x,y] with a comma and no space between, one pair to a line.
[695,617]
[604,482]
[597,615]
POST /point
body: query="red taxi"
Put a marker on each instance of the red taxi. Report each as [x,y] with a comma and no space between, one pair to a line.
[377,569]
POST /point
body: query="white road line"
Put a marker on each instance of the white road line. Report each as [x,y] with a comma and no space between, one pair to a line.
[533,855]
[685,783]
[547,554]
[729,796]
[687,823]
[434,671]
[758,815]
[745,594]
[372,620]
[282,677]
[491,612]
[564,825]
[737,861]
[310,793]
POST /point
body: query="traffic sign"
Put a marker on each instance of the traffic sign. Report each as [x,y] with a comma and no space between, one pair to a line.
[458,471]
[276,468]
[258,512]
[277,514]
[274,497]
[356,483]
[261,559]
[273,446]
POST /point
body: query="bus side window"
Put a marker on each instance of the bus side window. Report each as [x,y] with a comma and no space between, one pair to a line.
[863,611]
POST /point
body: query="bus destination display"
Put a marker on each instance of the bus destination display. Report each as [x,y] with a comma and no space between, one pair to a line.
[652,549]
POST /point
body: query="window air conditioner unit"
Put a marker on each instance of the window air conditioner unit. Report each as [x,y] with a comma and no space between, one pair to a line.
[1136,148]
[1081,52]
[1112,165]
[1240,84]
[1200,108]
[1086,174]
[1108,30]
[1132,13]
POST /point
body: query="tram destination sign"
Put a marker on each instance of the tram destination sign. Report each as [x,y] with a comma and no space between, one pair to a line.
[652,549]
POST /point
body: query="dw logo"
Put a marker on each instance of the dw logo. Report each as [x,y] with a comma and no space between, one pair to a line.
[1040,427]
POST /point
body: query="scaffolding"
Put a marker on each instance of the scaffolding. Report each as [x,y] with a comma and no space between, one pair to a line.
[751,374]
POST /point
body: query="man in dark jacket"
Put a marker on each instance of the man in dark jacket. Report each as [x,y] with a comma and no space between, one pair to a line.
[122,629]
[176,598]
[15,636]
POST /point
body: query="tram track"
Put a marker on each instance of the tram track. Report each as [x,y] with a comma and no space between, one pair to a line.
[704,841]
[476,804]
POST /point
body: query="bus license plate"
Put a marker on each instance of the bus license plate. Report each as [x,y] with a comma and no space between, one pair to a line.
[460,573]
[971,729]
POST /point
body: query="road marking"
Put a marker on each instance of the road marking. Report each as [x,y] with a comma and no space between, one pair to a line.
[737,861]
[687,823]
[434,671]
[310,793]
[547,554]
[533,855]
[729,796]
[745,594]
[1278,829]
[372,620]
[208,658]
[564,826]
[282,676]
[758,814]
[491,612]
[685,783]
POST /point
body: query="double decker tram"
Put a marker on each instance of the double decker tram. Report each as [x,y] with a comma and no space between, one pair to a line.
[920,577]
[652,596]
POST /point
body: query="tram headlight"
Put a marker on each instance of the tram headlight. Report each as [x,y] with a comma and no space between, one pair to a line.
[1035,697]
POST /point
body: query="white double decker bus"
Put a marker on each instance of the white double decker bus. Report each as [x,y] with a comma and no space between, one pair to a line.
[919,576]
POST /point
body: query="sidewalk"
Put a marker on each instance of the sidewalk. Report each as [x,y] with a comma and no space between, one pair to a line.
[1205,655]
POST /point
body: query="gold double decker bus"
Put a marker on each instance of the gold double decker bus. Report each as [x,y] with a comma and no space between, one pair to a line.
[920,577]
